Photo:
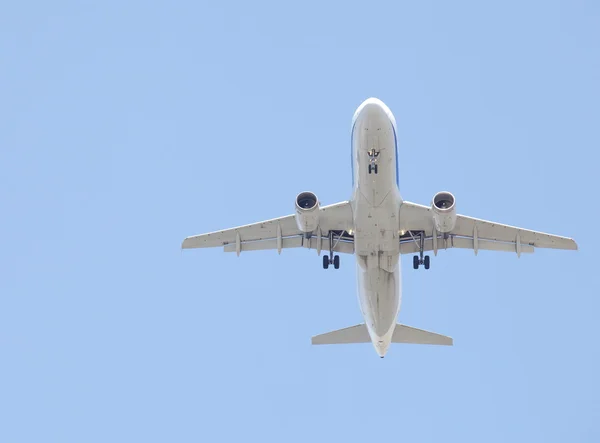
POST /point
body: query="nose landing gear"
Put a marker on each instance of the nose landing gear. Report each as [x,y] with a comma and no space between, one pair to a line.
[373,154]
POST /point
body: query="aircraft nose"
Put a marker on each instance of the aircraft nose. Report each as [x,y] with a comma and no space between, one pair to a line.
[372,107]
[372,113]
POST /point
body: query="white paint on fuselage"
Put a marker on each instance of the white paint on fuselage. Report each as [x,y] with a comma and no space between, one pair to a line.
[376,202]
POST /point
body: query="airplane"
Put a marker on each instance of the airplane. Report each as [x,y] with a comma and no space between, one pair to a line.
[377,226]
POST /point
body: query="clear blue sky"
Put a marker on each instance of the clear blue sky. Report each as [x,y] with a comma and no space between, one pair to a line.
[127,126]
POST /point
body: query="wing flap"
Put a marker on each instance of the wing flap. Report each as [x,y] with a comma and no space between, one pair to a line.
[344,247]
[411,247]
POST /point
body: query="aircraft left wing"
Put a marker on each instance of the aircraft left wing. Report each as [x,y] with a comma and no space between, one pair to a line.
[280,233]
[473,233]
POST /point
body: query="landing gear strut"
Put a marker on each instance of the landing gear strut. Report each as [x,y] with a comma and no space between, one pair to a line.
[331,258]
[419,259]
[373,154]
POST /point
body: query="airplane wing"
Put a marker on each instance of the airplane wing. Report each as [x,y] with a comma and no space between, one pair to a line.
[280,233]
[471,233]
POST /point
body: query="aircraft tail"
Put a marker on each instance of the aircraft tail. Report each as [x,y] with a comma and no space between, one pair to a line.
[402,334]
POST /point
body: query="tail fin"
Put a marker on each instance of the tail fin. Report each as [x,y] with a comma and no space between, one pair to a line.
[406,334]
[402,334]
[353,334]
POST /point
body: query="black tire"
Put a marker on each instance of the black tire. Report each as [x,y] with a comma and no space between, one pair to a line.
[415,262]
[426,262]
[325,261]
[370,168]
[336,262]
[375,168]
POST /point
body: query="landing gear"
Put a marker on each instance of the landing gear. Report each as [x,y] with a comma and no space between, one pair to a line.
[373,154]
[335,261]
[331,258]
[420,259]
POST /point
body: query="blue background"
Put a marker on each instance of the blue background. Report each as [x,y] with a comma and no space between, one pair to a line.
[127,126]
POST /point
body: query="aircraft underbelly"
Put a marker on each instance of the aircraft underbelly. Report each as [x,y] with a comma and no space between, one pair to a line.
[379,296]
[378,270]
[376,205]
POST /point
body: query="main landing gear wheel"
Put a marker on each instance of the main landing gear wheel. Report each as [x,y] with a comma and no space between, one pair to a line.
[419,260]
[335,262]
[332,259]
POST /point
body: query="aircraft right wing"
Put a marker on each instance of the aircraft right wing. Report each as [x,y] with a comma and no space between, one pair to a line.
[473,233]
[280,233]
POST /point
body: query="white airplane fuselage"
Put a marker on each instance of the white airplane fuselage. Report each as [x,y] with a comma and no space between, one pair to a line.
[376,204]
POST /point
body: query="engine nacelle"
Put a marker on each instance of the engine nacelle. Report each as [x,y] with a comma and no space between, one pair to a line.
[307,211]
[443,207]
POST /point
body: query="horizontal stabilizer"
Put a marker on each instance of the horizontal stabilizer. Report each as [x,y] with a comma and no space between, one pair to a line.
[402,334]
[353,334]
[406,334]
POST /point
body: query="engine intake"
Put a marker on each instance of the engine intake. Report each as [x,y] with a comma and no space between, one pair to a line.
[307,211]
[443,206]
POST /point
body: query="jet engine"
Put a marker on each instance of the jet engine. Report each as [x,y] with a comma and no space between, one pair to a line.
[307,211]
[443,207]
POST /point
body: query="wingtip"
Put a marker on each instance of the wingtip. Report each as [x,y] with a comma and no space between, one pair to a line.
[570,244]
